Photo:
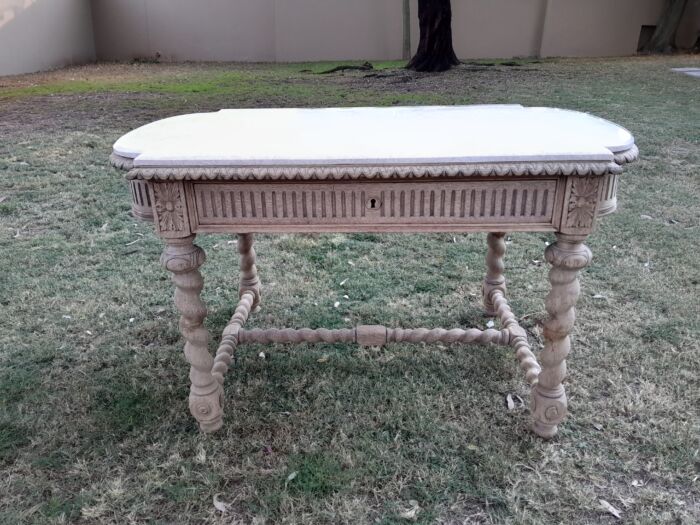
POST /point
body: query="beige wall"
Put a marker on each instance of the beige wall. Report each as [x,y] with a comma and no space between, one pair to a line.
[248,30]
[596,27]
[496,28]
[299,30]
[44,34]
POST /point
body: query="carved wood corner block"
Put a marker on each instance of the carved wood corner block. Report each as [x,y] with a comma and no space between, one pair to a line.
[580,207]
[568,253]
[181,256]
[170,210]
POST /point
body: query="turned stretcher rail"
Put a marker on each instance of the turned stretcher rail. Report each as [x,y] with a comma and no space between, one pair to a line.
[374,335]
[518,337]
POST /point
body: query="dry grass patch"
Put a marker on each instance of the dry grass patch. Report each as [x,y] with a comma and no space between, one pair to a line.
[93,388]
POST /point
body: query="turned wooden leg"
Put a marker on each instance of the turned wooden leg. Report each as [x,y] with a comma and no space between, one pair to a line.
[567,256]
[249,272]
[183,259]
[494,280]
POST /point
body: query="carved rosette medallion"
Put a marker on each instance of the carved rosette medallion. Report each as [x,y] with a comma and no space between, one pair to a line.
[582,202]
[169,207]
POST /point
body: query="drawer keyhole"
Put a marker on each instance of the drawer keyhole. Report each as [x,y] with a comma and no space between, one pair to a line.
[373,204]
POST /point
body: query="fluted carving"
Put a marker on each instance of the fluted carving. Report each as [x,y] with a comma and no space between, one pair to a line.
[229,341]
[183,259]
[494,280]
[567,256]
[249,272]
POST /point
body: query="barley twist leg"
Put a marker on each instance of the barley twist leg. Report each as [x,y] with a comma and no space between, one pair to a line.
[494,280]
[567,256]
[249,272]
[183,259]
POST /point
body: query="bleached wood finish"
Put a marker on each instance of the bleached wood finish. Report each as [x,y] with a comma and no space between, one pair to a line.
[250,283]
[557,185]
[229,339]
[183,259]
[567,256]
[374,335]
[517,338]
[494,280]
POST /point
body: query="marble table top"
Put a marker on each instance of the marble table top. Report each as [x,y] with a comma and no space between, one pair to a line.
[374,136]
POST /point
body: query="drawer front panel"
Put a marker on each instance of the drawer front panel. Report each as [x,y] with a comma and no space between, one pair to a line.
[399,203]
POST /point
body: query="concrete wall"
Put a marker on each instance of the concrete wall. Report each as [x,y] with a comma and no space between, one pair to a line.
[300,30]
[44,34]
[596,27]
[248,30]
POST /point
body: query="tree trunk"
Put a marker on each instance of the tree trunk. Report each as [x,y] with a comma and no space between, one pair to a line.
[663,39]
[406,29]
[435,51]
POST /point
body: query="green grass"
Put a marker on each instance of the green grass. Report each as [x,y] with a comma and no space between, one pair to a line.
[94,426]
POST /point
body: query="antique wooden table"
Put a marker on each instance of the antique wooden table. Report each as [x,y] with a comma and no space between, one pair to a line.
[494,169]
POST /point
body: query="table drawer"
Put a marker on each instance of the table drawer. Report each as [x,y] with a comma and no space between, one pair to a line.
[387,206]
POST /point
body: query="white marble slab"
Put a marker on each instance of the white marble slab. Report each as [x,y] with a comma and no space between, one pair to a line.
[376,136]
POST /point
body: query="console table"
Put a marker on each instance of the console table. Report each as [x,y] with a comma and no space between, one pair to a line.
[496,169]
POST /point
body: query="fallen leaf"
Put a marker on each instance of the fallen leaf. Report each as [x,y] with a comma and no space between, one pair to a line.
[351,263]
[220,505]
[290,478]
[637,483]
[261,355]
[342,283]
[646,217]
[598,296]
[514,400]
[490,324]
[609,508]
[336,304]
[412,513]
[473,448]
[598,426]
[322,359]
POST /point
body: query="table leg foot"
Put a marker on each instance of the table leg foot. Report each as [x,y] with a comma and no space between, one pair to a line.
[249,271]
[494,279]
[567,256]
[183,258]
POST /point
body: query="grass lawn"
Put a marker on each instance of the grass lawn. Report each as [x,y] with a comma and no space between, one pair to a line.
[94,426]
